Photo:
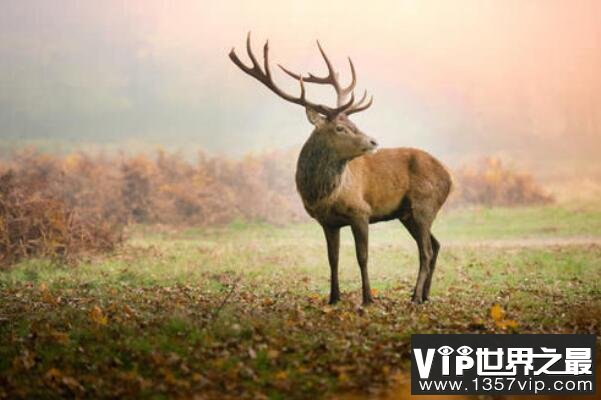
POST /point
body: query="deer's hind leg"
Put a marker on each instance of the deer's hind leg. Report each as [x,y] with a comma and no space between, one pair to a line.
[418,225]
[435,249]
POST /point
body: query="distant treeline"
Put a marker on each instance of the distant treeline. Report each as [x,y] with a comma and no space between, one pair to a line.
[65,206]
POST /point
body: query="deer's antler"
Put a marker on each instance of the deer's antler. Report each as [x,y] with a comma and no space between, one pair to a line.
[263,75]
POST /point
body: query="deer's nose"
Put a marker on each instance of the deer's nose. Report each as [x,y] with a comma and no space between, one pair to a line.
[373,142]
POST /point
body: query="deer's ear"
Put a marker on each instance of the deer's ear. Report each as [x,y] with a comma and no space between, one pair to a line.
[314,117]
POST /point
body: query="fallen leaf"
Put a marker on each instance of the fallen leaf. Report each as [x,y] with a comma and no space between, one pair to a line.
[97,316]
[72,384]
[343,378]
[506,323]
[281,375]
[59,337]
[268,302]
[53,376]
[251,353]
[128,310]
[24,361]
[327,309]
[496,312]
[313,297]
[47,296]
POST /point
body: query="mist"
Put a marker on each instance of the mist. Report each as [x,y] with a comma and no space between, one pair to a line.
[459,79]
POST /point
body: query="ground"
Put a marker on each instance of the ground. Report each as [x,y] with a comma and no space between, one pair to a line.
[241,310]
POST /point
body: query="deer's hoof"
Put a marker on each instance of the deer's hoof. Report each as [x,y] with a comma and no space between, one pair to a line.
[333,300]
[417,299]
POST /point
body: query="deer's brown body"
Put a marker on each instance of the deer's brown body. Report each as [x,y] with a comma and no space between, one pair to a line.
[342,182]
[378,187]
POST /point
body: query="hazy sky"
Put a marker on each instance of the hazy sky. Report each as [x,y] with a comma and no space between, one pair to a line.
[456,77]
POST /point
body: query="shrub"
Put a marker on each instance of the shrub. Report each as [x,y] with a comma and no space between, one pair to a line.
[40,215]
[491,183]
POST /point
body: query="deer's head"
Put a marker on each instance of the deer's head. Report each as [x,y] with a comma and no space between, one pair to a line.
[333,128]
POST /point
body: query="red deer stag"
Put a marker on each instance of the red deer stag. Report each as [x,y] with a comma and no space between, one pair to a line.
[342,181]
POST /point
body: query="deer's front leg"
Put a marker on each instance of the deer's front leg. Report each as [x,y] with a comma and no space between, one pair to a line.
[361,235]
[333,240]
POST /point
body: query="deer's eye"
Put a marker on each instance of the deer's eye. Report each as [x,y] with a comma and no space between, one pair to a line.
[339,128]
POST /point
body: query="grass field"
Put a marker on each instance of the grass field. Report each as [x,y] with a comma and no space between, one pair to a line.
[241,310]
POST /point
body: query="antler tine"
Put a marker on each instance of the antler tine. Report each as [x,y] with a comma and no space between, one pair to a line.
[250,52]
[362,99]
[310,78]
[330,79]
[234,57]
[342,108]
[302,87]
[351,86]
[360,106]
[266,59]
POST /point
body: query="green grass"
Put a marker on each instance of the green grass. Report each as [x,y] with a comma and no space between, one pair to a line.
[500,223]
[241,310]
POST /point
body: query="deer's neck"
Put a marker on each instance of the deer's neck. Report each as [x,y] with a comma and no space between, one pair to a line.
[319,171]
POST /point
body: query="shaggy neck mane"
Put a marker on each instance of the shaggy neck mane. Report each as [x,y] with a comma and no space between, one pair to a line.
[318,171]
